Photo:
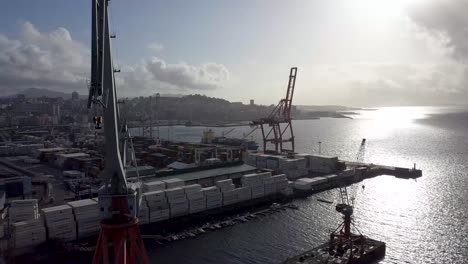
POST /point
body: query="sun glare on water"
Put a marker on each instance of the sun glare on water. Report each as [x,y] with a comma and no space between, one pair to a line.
[386,120]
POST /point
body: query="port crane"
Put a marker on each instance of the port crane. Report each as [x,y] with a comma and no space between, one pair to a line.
[277,128]
[342,238]
[117,200]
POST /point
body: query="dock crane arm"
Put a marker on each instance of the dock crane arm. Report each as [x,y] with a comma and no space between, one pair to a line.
[277,127]
[117,202]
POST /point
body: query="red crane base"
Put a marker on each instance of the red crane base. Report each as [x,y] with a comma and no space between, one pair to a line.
[127,245]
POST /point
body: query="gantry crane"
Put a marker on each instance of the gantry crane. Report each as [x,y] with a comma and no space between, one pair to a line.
[277,128]
[117,201]
[342,238]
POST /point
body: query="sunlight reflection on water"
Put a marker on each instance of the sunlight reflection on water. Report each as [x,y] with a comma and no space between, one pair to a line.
[423,221]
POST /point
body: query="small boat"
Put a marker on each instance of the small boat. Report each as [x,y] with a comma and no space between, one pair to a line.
[275,206]
[324,201]
[293,206]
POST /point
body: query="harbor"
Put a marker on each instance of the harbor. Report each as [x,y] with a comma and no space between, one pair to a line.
[159,216]
[114,197]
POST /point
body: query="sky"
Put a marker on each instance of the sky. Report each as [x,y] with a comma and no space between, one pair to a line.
[348,52]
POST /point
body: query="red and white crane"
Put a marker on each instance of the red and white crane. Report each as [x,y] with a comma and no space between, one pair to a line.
[119,240]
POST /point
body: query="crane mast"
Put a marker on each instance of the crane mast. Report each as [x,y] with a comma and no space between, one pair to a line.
[117,202]
[103,93]
[342,237]
[277,127]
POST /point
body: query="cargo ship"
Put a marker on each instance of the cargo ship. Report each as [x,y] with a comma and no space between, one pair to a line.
[210,138]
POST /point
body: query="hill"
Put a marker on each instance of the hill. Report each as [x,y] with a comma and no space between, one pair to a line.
[40,92]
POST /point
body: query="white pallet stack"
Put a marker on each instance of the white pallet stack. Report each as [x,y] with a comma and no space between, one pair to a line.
[87,217]
[178,203]
[324,164]
[179,208]
[269,184]
[251,180]
[255,183]
[225,185]
[195,197]
[154,186]
[292,164]
[264,175]
[281,182]
[28,233]
[159,215]
[258,191]
[296,173]
[214,197]
[251,159]
[294,168]
[197,205]
[332,177]
[155,200]
[173,183]
[272,164]
[306,184]
[175,195]
[231,197]
[158,206]
[192,189]
[60,222]
[23,210]
[262,161]
[143,214]
[245,193]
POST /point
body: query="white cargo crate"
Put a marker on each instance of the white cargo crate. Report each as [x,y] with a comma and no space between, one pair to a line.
[213,190]
[154,186]
[175,191]
[192,188]
[195,195]
[173,183]
[154,196]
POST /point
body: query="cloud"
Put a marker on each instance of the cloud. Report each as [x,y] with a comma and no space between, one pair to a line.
[446,20]
[388,84]
[203,77]
[56,61]
[441,24]
[52,60]
[155,47]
